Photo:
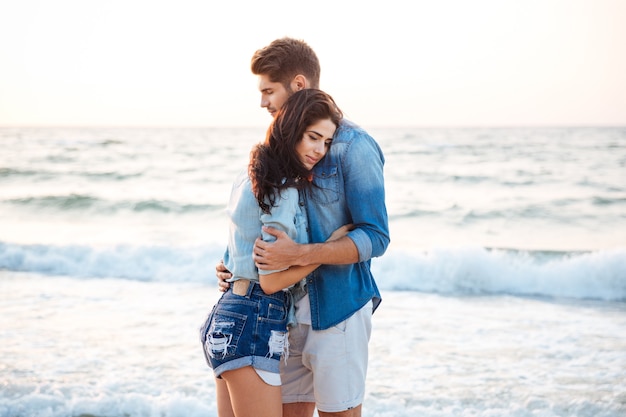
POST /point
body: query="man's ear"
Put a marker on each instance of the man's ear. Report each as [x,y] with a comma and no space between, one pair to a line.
[299,82]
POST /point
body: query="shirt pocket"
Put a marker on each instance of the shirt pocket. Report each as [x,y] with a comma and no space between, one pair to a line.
[325,188]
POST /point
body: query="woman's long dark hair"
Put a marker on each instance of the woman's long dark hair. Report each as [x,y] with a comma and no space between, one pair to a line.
[274,164]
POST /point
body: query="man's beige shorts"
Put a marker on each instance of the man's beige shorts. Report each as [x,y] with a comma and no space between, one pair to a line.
[328,367]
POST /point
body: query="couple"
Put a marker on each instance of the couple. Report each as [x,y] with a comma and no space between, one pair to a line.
[308,190]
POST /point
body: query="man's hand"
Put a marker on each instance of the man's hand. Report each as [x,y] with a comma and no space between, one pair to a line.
[222,275]
[277,255]
[284,252]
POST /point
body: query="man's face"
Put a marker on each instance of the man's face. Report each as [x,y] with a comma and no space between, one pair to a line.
[273,95]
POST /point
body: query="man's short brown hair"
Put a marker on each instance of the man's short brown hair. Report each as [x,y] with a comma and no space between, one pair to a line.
[285,58]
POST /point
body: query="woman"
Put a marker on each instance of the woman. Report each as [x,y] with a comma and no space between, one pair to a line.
[245,335]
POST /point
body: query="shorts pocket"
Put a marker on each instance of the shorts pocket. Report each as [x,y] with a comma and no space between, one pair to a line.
[205,326]
[341,326]
[223,333]
[276,313]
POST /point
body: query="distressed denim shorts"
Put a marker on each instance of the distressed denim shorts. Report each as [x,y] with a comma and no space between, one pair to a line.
[246,330]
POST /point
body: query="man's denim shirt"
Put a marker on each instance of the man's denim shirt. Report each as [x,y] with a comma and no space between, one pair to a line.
[348,188]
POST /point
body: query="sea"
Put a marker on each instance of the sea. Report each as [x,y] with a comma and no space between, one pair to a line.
[504,286]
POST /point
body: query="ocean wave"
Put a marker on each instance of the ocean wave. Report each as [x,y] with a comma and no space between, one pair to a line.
[77,202]
[138,263]
[43,174]
[597,275]
[553,210]
[606,201]
[12,172]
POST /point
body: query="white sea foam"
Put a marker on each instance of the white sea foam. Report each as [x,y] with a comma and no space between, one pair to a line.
[474,270]
[597,275]
[118,348]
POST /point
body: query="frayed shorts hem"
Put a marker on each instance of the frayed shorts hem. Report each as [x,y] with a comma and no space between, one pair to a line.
[257,362]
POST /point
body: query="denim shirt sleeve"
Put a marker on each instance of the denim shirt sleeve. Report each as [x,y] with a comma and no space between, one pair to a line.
[365,195]
[282,217]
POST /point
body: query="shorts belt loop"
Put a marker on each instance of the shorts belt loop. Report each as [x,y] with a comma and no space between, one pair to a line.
[250,288]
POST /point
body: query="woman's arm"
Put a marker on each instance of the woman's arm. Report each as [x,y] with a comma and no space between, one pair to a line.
[276,281]
[271,283]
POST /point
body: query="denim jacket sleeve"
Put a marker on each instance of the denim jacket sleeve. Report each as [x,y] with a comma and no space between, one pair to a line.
[281,217]
[364,189]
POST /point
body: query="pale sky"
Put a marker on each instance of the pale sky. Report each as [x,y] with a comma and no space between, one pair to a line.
[386,62]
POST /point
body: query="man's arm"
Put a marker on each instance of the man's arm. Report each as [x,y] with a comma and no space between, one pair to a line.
[290,276]
[284,252]
[270,283]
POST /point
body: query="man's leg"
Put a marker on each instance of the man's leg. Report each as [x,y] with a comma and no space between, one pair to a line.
[297,388]
[298,410]
[338,358]
[353,412]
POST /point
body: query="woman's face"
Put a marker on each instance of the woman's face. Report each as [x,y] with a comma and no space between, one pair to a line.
[315,142]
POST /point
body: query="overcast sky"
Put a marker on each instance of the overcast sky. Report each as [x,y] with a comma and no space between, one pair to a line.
[387,63]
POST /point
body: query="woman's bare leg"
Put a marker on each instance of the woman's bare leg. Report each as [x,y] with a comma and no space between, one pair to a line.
[250,396]
[224,407]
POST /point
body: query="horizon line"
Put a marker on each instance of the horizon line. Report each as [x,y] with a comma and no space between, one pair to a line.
[373,126]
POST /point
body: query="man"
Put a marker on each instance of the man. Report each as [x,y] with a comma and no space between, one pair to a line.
[328,352]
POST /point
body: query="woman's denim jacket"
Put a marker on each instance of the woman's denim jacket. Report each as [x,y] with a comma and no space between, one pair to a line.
[348,188]
[246,219]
